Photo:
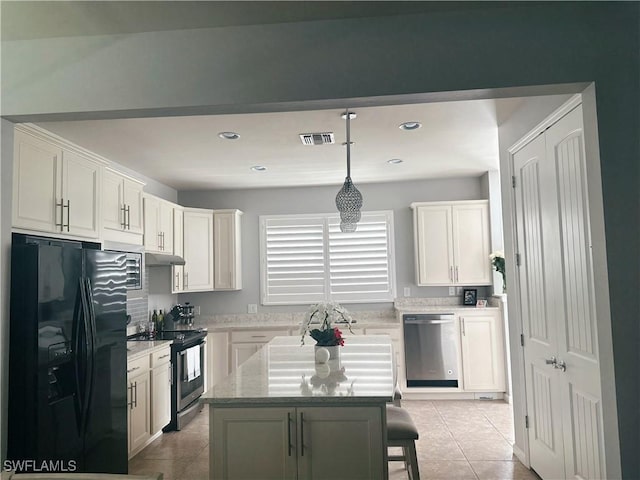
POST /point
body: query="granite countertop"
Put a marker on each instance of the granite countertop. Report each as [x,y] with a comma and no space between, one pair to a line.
[283,372]
[139,348]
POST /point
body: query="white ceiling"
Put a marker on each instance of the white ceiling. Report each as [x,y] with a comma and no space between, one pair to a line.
[456,139]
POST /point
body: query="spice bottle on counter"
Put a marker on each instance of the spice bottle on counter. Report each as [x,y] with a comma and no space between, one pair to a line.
[152,324]
[160,322]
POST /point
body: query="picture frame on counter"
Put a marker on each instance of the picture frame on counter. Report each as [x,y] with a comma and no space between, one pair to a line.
[469,296]
[481,303]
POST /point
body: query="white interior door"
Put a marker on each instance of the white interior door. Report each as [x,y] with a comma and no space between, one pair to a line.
[573,273]
[556,287]
[546,445]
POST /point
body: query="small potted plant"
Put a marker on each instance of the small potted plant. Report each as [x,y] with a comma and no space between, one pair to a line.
[497,260]
[326,335]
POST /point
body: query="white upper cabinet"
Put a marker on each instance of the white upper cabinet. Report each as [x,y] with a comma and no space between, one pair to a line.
[158,225]
[121,207]
[56,188]
[177,283]
[198,250]
[452,243]
[227,257]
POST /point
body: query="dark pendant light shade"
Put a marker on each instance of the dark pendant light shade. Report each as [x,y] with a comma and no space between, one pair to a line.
[349,198]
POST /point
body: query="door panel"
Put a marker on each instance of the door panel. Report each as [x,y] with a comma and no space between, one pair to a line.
[435,247]
[471,244]
[81,188]
[577,341]
[543,390]
[556,289]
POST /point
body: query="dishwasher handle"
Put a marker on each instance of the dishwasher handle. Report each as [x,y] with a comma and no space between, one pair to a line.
[429,319]
[427,322]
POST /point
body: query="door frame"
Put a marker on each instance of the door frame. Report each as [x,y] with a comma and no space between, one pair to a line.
[600,277]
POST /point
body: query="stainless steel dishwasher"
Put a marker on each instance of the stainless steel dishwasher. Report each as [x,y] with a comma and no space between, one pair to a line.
[431,350]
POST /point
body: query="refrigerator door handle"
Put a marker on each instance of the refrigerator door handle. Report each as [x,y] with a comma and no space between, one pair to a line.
[91,338]
[77,348]
[88,359]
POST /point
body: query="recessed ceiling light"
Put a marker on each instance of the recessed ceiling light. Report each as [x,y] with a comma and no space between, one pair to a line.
[229,135]
[258,168]
[395,161]
[410,125]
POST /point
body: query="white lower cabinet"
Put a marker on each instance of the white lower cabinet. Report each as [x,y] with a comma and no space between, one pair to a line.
[217,357]
[160,389]
[139,403]
[298,442]
[247,342]
[483,356]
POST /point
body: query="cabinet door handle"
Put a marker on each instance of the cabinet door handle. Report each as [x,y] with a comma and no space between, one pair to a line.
[185,282]
[464,333]
[301,434]
[258,336]
[456,273]
[135,397]
[123,223]
[451,274]
[128,217]
[177,284]
[289,432]
[68,207]
[133,369]
[164,356]
[170,374]
[59,204]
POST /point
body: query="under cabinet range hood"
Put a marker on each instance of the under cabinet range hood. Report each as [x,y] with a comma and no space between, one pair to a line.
[157,259]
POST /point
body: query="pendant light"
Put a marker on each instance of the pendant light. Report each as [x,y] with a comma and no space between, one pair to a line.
[349,198]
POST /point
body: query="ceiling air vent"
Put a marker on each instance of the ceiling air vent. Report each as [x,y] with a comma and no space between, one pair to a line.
[317,138]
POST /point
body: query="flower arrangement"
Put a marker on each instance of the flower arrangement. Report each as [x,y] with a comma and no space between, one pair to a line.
[497,260]
[326,314]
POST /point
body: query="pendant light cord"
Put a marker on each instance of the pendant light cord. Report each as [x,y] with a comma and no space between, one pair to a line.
[348,144]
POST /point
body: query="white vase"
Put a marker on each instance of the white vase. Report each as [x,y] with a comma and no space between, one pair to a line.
[322,354]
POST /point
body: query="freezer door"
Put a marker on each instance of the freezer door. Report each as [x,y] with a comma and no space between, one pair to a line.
[106,429]
[44,409]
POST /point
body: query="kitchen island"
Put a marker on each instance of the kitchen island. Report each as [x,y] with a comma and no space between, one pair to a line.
[281,415]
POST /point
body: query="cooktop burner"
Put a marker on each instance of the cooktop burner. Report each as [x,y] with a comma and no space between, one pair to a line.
[177,336]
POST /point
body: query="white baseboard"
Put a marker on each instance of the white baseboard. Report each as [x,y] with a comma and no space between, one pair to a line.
[519,453]
[425,394]
[507,398]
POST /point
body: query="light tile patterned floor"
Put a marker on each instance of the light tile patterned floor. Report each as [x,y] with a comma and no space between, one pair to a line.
[458,440]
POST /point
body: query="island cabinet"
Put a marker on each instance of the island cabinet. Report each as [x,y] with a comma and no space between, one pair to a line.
[483,351]
[122,218]
[280,415]
[56,186]
[139,403]
[452,243]
[303,442]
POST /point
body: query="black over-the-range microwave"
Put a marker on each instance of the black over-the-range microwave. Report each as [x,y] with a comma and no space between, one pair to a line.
[134,262]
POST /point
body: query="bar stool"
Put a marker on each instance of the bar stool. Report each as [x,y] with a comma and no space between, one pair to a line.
[402,432]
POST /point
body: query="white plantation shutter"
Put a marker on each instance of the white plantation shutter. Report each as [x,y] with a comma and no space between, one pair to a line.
[307,259]
[293,260]
[360,262]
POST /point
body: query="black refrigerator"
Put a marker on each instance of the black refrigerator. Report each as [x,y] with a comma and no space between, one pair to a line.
[68,357]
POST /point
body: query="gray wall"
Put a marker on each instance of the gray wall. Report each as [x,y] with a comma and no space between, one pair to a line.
[6,189]
[502,45]
[279,201]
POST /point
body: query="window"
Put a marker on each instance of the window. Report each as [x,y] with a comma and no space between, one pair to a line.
[307,259]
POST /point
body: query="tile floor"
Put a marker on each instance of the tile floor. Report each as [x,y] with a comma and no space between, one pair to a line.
[459,440]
